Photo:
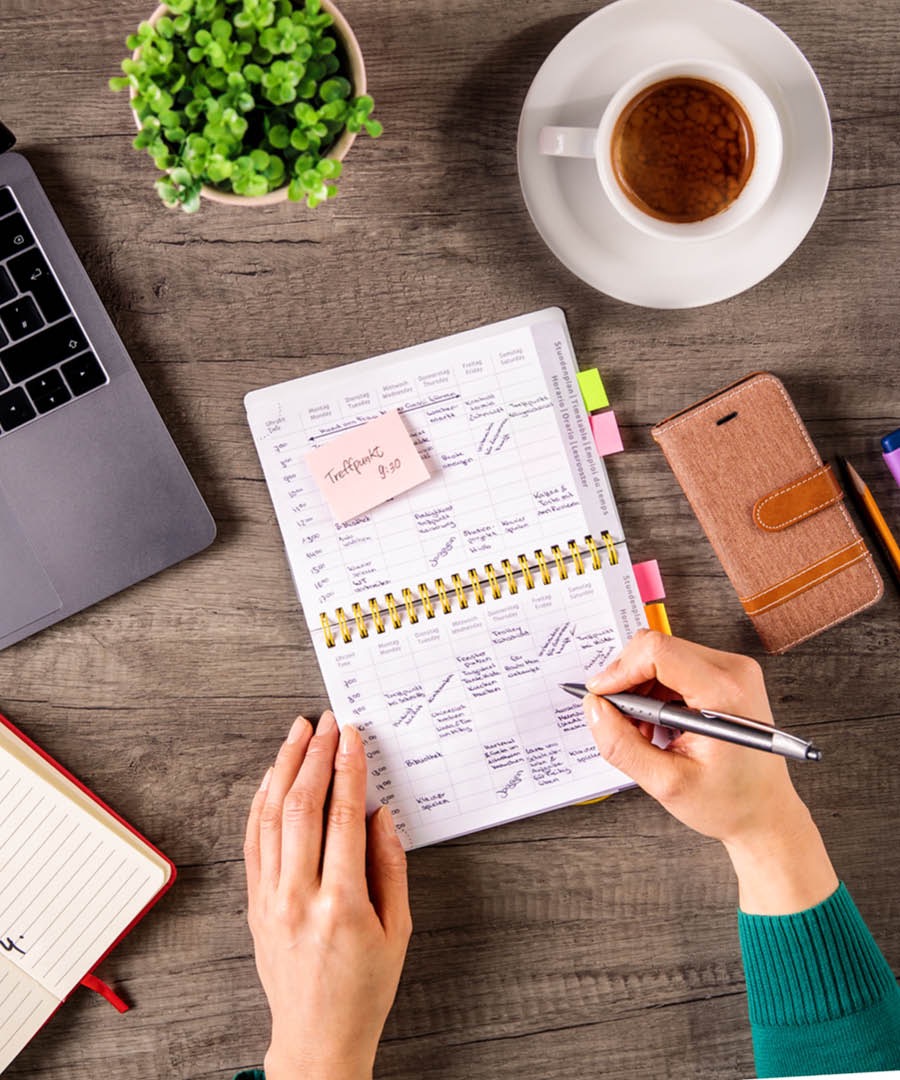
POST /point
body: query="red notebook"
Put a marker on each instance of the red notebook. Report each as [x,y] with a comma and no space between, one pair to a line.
[74,879]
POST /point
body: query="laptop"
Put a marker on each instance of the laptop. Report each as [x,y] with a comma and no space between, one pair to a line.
[94,495]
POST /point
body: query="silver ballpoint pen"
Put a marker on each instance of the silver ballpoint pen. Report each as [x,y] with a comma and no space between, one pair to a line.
[718,725]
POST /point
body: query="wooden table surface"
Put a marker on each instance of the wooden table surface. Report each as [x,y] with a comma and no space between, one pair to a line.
[594,941]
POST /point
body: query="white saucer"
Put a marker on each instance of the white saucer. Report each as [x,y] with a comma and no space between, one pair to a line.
[564,195]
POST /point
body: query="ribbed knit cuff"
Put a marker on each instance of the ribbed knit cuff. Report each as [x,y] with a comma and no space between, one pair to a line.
[250,1074]
[817,965]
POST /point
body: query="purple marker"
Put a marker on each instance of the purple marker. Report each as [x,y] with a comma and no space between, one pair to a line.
[890,447]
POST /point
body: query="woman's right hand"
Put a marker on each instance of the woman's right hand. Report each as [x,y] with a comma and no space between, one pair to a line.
[742,797]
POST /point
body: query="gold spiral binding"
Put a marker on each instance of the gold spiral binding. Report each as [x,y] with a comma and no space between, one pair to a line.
[476,587]
[425,597]
[446,606]
[510,573]
[376,615]
[561,569]
[492,581]
[392,610]
[360,618]
[545,566]
[343,625]
[526,572]
[410,602]
[541,559]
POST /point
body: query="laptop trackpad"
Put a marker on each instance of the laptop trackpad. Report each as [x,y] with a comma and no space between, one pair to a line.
[26,593]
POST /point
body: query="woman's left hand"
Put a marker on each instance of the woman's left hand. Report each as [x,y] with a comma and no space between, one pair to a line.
[328,906]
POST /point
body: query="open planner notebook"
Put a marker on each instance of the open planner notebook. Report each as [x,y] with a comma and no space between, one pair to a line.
[74,878]
[445,619]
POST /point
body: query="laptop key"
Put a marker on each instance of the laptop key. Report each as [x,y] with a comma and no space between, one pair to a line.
[32,274]
[7,202]
[15,409]
[3,381]
[43,350]
[21,318]
[83,373]
[47,391]
[15,236]
[7,289]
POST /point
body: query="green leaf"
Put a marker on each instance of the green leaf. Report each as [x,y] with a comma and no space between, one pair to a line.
[330,168]
[374,128]
[279,136]
[335,89]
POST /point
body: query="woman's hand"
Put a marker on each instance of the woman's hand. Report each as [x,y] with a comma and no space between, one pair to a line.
[742,797]
[328,906]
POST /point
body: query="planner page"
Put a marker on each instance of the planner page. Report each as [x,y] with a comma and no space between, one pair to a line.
[69,887]
[505,573]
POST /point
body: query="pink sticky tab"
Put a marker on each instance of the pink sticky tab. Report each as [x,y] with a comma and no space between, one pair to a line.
[649,581]
[606,433]
[367,466]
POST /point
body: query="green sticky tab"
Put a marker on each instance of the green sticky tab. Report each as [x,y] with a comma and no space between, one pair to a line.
[592,390]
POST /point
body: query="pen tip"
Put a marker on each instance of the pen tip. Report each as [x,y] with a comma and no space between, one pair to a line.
[813,754]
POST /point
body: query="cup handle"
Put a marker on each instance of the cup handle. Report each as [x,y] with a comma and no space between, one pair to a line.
[567,141]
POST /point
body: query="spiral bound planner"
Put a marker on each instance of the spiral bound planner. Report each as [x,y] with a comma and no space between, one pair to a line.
[444,619]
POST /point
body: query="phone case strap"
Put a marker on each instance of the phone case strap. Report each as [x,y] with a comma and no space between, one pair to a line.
[798,500]
[811,575]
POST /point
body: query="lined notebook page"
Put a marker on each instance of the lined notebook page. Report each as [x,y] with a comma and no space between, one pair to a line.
[461,714]
[69,884]
[24,1009]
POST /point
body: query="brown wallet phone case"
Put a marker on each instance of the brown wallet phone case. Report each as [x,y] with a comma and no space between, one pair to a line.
[773,512]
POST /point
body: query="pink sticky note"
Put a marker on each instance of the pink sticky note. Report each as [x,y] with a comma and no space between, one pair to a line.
[649,581]
[606,433]
[366,466]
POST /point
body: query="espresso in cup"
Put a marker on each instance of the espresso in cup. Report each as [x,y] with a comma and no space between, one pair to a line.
[682,149]
[686,150]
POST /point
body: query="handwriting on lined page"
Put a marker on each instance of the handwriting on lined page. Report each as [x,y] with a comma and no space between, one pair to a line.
[68,884]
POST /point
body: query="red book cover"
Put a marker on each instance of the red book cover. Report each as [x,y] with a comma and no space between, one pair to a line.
[88,979]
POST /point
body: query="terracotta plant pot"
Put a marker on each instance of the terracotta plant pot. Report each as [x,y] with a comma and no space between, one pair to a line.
[357,76]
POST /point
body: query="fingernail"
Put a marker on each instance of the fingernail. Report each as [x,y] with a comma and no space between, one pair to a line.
[298,729]
[349,739]
[592,711]
[387,821]
[265,780]
[595,682]
[326,723]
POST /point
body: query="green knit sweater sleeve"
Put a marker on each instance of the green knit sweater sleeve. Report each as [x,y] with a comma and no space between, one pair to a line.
[821,997]
[250,1074]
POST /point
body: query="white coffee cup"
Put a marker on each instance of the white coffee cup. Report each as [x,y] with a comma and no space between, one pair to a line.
[597,143]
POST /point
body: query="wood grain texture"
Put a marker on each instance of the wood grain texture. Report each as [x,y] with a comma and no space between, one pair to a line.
[594,941]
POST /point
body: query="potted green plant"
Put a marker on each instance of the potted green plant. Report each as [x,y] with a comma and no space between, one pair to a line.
[246,101]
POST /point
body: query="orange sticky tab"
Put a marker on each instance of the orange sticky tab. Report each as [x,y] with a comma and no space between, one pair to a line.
[367,466]
[657,618]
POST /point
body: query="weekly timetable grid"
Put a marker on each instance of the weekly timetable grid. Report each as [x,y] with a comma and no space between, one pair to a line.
[461,714]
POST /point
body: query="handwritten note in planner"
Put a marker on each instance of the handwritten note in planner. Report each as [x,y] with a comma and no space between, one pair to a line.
[68,888]
[366,466]
[461,714]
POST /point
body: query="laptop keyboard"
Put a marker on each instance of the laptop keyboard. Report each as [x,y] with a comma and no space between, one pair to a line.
[46,360]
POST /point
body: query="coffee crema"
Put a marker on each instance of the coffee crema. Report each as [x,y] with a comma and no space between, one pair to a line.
[682,149]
